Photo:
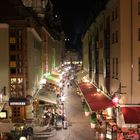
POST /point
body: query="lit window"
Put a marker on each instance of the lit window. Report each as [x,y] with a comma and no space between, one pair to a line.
[12,40]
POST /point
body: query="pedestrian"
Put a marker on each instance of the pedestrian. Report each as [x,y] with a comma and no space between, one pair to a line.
[63,118]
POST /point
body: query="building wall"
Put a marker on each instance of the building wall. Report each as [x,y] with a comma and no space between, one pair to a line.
[135,52]
[34,50]
[124,49]
[85,52]
[100,28]
[114,46]
[4,60]
[34,58]
[126,40]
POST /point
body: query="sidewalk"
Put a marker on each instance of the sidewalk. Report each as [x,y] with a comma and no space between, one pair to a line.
[78,124]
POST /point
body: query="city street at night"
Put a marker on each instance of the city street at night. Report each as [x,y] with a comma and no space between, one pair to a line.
[70,70]
[78,125]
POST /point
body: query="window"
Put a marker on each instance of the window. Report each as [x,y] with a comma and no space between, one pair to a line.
[116,68]
[116,37]
[113,38]
[12,70]
[12,40]
[138,8]
[112,15]
[12,57]
[138,34]
[139,69]
[116,13]
[113,67]
[107,67]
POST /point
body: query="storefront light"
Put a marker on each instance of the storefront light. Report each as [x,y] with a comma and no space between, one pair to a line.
[109,111]
[98,90]
[115,100]
[43,81]
[1,96]
[22,138]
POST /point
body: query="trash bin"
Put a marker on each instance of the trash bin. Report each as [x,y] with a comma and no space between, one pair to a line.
[65,124]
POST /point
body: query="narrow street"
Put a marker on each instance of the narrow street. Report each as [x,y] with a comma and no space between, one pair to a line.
[78,123]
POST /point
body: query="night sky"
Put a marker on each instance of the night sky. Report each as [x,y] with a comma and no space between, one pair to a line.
[76,16]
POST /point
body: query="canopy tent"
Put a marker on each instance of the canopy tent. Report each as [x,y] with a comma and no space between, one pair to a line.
[131,114]
[55,74]
[96,100]
[47,96]
[53,80]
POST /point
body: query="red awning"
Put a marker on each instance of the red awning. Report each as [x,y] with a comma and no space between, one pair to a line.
[96,100]
[131,114]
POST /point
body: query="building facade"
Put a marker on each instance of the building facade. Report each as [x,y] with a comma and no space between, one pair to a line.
[114,41]
[28,51]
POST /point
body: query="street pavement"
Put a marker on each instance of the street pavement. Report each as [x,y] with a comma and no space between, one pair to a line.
[78,124]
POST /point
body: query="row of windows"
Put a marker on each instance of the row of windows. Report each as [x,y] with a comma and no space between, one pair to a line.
[16,87]
[16,62]
[115,72]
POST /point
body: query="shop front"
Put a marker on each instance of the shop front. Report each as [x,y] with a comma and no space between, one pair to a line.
[104,108]
[18,109]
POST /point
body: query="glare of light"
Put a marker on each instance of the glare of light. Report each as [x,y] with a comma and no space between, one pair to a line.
[92,125]
[43,81]
[62,98]
[115,100]
[56,16]
[61,77]
[98,90]
[60,85]
[23,138]
[109,111]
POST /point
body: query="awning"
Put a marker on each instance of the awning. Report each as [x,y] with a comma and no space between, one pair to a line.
[47,96]
[55,74]
[96,100]
[53,80]
[131,114]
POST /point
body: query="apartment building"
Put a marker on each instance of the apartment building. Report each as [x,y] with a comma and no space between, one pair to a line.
[27,51]
[115,51]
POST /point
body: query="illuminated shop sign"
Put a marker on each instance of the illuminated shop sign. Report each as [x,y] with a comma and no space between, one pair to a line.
[17,101]
[3,114]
